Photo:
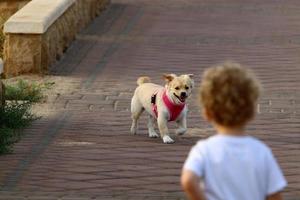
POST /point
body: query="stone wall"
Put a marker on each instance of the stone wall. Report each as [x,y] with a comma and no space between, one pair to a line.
[34,53]
[63,31]
[9,7]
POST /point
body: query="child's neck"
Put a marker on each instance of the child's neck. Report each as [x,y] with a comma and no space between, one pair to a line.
[233,131]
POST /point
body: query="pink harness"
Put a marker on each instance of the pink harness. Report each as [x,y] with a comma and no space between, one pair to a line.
[174,109]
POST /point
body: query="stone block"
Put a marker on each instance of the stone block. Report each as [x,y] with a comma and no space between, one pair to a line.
[37,16]
[22,54]
[10,7]
[33,44]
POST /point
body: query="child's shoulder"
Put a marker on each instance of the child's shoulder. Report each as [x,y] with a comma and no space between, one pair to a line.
[219,140]
[258,144]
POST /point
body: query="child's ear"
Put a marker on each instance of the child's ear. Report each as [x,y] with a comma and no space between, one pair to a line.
[169,77]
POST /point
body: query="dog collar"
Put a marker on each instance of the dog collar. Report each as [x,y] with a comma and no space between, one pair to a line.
[174,109]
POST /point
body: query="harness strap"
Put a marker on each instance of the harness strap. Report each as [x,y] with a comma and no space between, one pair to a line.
[154,106]
[174,109]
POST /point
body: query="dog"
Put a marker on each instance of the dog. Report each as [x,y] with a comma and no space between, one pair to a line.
[162,104]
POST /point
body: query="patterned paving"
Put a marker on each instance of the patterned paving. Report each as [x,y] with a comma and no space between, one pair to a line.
[82,148]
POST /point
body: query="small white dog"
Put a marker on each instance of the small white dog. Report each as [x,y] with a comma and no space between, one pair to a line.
[162,104]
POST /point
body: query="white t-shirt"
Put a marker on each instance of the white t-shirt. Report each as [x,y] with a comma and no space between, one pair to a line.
[235,168]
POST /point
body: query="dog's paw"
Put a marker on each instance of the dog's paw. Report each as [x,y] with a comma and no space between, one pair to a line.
[167,139]
[153,134]
[180,131]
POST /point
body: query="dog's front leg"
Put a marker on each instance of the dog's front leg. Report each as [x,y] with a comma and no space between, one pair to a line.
[181,126]
[163,129]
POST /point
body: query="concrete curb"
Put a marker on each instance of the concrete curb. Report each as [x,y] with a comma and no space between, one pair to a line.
[37,16]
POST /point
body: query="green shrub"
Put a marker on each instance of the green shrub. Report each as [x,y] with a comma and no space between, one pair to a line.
[13,117]
[7,139]
[25,91]
[16,113]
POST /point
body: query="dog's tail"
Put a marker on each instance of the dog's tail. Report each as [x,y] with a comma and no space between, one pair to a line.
[143,79]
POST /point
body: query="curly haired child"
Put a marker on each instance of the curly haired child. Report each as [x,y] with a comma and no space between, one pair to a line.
[231,165]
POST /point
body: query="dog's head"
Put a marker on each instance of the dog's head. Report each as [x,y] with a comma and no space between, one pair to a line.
[179,87]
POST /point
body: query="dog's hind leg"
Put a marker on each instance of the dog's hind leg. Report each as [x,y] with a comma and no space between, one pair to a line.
[136,111]
[151,130]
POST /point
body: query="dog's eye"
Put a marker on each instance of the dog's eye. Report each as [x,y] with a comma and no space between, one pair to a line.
[177,88]
[186,87]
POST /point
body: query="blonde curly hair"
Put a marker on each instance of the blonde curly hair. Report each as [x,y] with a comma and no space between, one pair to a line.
[229,93]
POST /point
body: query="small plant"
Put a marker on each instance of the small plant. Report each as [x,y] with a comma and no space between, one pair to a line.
[13,117]
[7,139]
[25,91]
[16,113]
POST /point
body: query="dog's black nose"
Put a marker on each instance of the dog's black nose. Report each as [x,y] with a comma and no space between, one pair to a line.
[183,94]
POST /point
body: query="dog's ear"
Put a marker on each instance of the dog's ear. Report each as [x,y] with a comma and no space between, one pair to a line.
[191,75]
[169,77]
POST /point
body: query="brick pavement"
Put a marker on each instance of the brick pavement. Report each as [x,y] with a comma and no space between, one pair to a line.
[82,148]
